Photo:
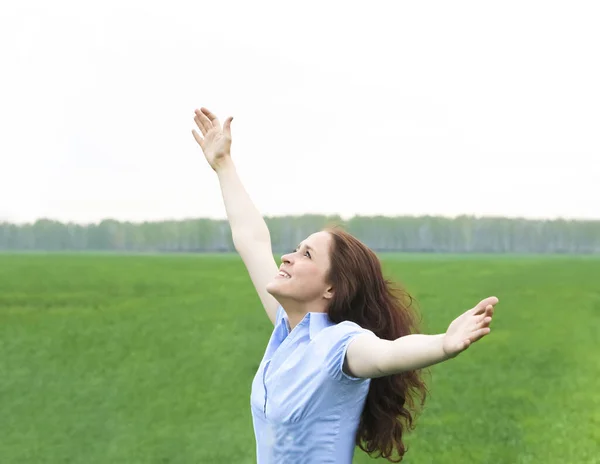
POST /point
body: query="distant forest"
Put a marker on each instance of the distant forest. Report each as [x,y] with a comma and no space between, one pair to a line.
[463,234]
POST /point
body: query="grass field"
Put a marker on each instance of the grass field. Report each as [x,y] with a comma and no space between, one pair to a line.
[149,359]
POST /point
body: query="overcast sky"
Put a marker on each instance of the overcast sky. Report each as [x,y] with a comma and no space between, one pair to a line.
[446,108]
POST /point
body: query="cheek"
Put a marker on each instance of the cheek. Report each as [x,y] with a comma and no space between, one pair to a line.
[311,276]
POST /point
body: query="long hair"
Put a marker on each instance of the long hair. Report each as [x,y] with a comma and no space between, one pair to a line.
[364,296]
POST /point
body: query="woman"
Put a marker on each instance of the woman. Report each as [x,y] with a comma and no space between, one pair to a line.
[343,361]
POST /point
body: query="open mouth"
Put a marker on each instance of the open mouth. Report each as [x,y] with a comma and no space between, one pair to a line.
[284,274]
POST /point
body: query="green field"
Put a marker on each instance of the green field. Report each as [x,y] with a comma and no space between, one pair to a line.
[149,359]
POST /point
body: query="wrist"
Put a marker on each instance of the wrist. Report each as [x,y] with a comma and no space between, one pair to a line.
[445,353]
[224,165]
[441,341]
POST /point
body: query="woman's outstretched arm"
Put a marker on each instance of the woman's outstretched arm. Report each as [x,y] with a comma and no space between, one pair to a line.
[250,233]
[370,357]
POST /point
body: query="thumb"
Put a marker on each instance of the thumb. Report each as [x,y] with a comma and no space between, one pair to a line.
[227,126]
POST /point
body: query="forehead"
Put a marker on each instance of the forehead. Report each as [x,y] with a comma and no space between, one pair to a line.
[319,241]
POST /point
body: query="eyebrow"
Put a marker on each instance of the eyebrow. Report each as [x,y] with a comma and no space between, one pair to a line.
[307,246]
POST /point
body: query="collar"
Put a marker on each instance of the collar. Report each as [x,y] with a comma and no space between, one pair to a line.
[316,322]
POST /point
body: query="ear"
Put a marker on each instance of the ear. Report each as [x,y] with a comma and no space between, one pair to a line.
[328,295]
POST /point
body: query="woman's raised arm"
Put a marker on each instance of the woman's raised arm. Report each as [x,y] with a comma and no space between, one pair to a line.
[250,233]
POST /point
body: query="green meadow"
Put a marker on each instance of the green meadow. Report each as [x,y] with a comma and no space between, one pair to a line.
[149,359]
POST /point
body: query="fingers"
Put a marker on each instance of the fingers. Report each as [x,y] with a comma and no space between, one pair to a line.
[227,126]
[483,304]
[491,300]
[488,312]
[478,334]
[200,125]
[204,124]
[483,320]
[213,119]
[199,139]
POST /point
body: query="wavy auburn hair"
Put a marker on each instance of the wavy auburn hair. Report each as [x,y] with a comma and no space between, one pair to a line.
[364,296]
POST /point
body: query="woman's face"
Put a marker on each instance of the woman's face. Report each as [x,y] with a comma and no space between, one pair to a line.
[303,273]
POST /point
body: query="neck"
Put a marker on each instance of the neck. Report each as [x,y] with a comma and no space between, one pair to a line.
[296,310]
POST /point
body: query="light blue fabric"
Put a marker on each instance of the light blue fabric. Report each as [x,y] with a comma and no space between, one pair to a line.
[305,409]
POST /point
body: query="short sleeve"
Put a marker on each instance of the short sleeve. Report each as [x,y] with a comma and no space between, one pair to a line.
[340,338]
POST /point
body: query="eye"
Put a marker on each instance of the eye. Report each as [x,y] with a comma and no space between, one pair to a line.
[306,253]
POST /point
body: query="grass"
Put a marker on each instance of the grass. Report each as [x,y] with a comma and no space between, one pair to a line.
[149,359]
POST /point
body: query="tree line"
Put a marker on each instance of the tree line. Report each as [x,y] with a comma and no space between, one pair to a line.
[463,234]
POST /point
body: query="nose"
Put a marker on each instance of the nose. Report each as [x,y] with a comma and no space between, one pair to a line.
[287,258]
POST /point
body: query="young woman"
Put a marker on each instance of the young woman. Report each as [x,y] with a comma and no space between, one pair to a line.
[342,365]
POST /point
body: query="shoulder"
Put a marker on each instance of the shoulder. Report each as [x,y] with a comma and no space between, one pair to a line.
[336,336]
[344,329]
[333,343]
[343,334]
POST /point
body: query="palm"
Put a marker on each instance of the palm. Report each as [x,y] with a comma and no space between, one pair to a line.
[469,327]
[216,144]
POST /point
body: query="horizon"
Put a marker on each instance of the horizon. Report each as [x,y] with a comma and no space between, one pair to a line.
[345,219]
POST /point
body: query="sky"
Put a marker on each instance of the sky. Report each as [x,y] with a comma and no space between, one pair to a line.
[396,108]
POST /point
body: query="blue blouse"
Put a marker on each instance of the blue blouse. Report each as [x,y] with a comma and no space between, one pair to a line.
[305,409]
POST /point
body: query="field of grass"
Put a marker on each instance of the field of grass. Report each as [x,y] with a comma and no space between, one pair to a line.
[149,359]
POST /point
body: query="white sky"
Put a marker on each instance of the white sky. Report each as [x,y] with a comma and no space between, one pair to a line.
[485,108]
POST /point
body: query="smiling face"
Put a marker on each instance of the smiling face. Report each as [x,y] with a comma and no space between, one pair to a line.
[302,276]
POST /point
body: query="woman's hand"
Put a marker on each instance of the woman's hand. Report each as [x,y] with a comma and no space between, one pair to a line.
[469,327]
[216,144]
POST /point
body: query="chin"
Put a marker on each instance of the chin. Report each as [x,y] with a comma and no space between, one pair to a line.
[274,287]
